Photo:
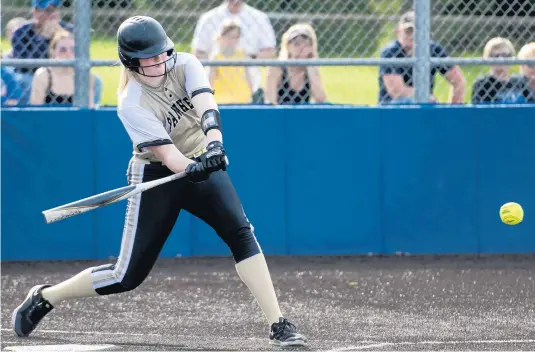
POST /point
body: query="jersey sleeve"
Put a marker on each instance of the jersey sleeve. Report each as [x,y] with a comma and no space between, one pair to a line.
[144,129]
[196,79]
[19,50]
[390,53]
[266,34]
[201,35]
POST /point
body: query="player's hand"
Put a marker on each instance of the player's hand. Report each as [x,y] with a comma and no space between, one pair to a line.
[196,172]
[215,157]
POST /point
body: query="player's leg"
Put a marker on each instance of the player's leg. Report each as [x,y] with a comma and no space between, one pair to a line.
[150,217]
[217,203]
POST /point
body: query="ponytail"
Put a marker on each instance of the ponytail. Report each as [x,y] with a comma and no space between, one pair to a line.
[123,81]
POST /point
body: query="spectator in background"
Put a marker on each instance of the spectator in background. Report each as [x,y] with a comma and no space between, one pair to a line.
[296,84]
[527,77]
[497,86]
[55,85]
[9,86]
[11,26]
[257,36]
[231,84]
[396,82]
[31,41]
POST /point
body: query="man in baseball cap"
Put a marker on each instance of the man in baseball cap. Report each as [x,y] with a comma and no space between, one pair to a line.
[44,4]
[396,82]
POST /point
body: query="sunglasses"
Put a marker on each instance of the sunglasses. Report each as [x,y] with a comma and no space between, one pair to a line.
[497,55]
[64,49]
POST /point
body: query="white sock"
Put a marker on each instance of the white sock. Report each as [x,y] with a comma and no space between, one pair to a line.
[77,286]
[254,273]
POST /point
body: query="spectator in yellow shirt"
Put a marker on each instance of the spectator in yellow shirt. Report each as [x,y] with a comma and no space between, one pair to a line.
[232,84]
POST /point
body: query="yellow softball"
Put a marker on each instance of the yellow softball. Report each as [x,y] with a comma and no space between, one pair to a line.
[511,213]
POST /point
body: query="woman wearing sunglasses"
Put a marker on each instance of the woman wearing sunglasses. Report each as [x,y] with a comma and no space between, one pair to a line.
[497,86]
[55,85]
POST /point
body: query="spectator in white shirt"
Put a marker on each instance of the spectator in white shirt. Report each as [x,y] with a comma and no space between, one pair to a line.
[257,37]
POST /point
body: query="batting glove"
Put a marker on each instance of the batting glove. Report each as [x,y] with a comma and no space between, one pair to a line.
[196,172]
[215,157]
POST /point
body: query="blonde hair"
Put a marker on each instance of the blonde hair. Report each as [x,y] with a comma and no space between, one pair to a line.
[13,24]
[58,36]
[498,43]
[228,25]
[527,51]
[298,29]
[124,77]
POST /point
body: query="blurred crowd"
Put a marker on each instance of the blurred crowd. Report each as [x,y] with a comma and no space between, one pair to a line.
[237,31]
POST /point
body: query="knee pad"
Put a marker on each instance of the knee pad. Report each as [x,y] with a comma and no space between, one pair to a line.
[243,245]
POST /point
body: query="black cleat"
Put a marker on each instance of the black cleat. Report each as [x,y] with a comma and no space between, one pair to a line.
[30,312]
[285,333]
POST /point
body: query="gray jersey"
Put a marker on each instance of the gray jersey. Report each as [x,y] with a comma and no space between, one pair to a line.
[165,114]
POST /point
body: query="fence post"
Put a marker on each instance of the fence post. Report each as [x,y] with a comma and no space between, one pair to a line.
[422,68]
[82,38]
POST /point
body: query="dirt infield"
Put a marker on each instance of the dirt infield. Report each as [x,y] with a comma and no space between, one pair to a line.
[341,303]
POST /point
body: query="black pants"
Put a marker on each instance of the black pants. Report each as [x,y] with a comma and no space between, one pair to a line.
[151,216]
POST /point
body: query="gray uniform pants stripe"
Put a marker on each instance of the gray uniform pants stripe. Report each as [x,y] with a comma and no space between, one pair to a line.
[111,274]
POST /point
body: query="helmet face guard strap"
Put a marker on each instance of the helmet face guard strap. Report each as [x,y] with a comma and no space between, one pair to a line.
[135,66]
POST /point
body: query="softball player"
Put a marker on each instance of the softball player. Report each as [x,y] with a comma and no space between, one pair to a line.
[166,105]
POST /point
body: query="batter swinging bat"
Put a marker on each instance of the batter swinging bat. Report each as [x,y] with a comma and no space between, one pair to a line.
[103,199]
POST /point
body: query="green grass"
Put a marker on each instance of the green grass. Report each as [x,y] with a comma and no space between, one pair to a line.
[344,85]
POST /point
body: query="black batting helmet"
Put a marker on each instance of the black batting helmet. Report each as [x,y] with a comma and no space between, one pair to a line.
[142,37]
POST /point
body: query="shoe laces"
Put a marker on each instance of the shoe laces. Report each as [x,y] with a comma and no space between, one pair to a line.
[281,326]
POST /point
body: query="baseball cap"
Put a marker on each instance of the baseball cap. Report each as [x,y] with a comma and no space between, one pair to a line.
[43,4]
[297,32]
[407,20]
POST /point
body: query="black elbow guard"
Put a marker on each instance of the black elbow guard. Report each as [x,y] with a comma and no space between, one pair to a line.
[210,119]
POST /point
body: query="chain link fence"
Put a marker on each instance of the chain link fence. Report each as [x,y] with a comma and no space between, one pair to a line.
[354,31]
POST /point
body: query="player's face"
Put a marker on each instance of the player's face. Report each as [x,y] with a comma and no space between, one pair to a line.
[154,66]
[300,48]
[64,49]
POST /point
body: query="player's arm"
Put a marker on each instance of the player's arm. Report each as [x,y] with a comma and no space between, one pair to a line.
[170,157]
[206,106]
[148,133]
[202,97]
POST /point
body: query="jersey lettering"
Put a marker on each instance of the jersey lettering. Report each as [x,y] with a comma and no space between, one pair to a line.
[179,107]
[188,103]
[176,110]
[172,121]
[182,106]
